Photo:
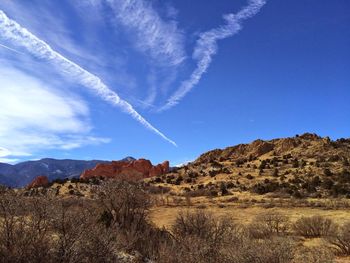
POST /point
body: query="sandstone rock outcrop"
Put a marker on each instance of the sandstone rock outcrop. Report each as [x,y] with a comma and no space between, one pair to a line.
[39,181]
[306,144]
[255,149]
[133,170]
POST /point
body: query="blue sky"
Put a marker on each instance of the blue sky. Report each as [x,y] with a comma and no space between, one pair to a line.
[105,79]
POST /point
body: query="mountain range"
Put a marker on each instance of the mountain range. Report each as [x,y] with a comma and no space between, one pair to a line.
[21,174]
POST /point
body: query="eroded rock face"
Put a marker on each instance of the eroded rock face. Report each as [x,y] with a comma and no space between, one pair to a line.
[255,149]
[305,144]
[39,181]
[285,145]
[260,147]
[310,136]
[135,170]
[160,169]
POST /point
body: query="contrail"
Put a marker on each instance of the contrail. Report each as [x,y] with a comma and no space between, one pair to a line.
[207,47]
[11,49]
[11,30]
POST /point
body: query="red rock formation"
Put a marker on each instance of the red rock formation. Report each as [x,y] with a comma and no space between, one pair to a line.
[40,181]
[134,170]
[160,169]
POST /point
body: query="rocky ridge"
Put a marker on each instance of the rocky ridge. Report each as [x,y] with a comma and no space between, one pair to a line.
[132,170]
[308,145]
[305,165]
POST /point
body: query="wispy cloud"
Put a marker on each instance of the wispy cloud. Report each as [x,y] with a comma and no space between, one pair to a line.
[207,47]
[161,39]
[20,36]
[36,116]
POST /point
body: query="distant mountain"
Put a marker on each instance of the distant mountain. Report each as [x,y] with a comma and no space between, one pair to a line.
[128,159]
[21,174]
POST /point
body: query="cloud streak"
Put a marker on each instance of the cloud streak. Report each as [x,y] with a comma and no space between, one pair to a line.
[20,36]
[11,49]
[207,47]
[162,40]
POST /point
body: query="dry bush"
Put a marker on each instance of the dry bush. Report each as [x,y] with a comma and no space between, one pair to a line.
[124,205]
[202,238]
[69,225]
[194,231]
[275,250]
[46,230]
[315,226]
[4,189]
[203,225]
[97,245]
[340,240]
[24,230]
[268,224]
[124,209]
[313,255]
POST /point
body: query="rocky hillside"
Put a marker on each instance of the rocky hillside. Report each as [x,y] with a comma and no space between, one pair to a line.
[300,166]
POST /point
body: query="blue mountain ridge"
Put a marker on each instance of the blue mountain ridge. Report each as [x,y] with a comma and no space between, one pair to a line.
[21,174]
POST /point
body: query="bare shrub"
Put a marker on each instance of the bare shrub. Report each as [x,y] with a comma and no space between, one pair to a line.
[267,224]
[125,205]
[24,228]
[275,250]
[340,240]
[125,208]
[97,245]
[3,189]
[203,225]
[315,226]
[39,229]
[202,238]
[69,226]
[313,255]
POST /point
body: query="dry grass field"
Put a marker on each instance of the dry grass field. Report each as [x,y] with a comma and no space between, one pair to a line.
[165,215]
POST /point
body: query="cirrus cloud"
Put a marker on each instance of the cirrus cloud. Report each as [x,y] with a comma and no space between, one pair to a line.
[161,39]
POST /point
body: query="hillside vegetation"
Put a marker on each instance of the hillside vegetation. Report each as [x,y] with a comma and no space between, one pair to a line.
[302,166]
[280,201]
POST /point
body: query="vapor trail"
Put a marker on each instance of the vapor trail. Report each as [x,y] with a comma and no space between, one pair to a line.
[11,30]
[206,48]
[11,49]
